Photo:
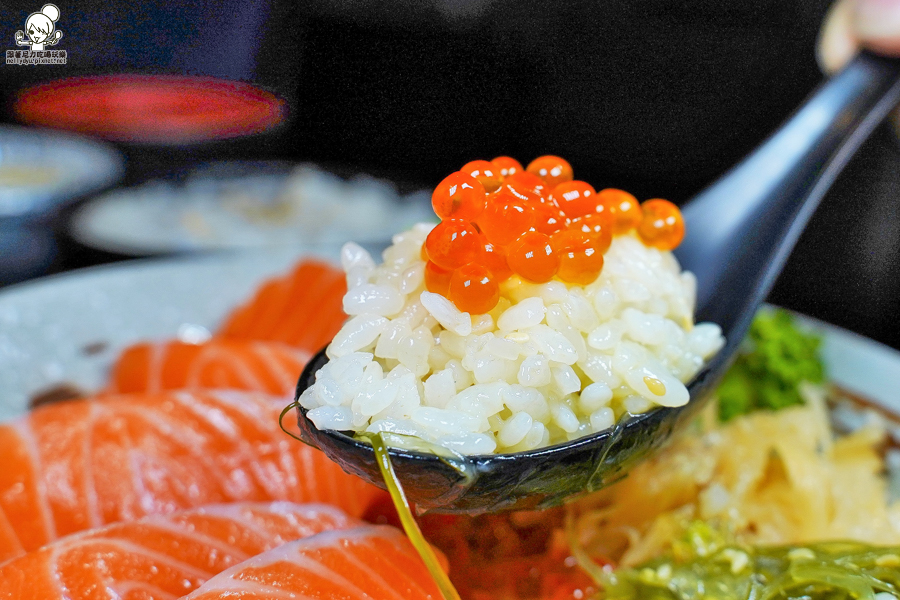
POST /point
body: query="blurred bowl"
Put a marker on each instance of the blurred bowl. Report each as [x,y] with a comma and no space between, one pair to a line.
[246,205]
[41,171]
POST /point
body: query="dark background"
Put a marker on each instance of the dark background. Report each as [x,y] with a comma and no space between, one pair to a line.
[653,96]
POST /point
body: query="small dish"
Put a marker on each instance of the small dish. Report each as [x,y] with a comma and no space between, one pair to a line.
[41,170]
[245,205]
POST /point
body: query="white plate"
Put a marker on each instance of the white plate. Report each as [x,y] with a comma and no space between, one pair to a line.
[246,205]
[46,326]
[69,328]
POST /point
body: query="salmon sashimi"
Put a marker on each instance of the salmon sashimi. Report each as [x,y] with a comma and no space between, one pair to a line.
[218,364]
[303,309]
[371,562]
[80,464]
[161,557]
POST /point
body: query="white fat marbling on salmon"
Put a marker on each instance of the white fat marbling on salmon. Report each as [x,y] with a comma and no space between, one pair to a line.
[270,367]
[165,556]
[356,550]
[84,463]
[43,505]
[90,491]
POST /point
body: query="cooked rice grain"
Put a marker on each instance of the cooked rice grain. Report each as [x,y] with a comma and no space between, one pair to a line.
[551,363]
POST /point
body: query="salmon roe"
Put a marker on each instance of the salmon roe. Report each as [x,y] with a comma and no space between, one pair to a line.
[575,198]
[507,215]
[474,289]
[599,225]
[507,166]
[552,169]
[498,220]
[532,257]
[526,182]
[437,280]
[459,196]
[495,260]
[453,243]
[661,224]
[548,218]
[580,258]
[487,174]
[623,207]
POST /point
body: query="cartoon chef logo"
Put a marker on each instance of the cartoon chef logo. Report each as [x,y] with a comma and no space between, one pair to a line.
[40,29]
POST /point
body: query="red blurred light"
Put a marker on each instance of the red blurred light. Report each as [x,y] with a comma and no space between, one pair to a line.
[154,109]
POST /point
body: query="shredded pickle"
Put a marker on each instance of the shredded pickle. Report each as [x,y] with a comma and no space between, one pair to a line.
[584,560]
[410,526]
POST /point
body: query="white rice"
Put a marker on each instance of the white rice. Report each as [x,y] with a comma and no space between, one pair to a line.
[552,362]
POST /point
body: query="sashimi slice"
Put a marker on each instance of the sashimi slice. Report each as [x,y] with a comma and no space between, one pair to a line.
[365,563]
[303,309]
[218,364]
[81,464]
[161,557]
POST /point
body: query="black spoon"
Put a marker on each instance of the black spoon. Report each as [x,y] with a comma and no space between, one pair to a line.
[741,230]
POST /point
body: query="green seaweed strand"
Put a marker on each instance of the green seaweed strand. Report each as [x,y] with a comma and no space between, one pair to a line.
[286,410]
[409,522]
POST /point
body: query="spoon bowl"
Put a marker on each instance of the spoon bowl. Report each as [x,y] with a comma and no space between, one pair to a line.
[741,230]
[521,481]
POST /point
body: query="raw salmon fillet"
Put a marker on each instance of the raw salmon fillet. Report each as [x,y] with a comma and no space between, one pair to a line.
[161,557]
[365,563]
[80,464]
[218,364]
[303,309]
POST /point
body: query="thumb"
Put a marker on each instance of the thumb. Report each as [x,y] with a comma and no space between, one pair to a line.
[876,25]
[837,42]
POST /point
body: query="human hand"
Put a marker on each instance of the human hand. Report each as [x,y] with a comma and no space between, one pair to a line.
[855,24]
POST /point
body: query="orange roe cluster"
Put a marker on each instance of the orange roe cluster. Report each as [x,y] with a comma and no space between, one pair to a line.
[499,219]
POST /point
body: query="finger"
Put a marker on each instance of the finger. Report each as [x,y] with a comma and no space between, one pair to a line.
[837,42]
[876,24]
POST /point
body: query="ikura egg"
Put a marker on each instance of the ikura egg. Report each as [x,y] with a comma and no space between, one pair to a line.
[532,257]
[552,169]
[459,196]
[453,243]
[662,225]
[575,198]
[474,289]
[580,259]
[437,280]
[528,182]
[507,215]
[507,166]
[495,260]
[623,207]
[599,225]
[487,174]
[548,218]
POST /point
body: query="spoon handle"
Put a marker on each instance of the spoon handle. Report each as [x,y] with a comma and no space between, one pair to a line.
[743,227]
